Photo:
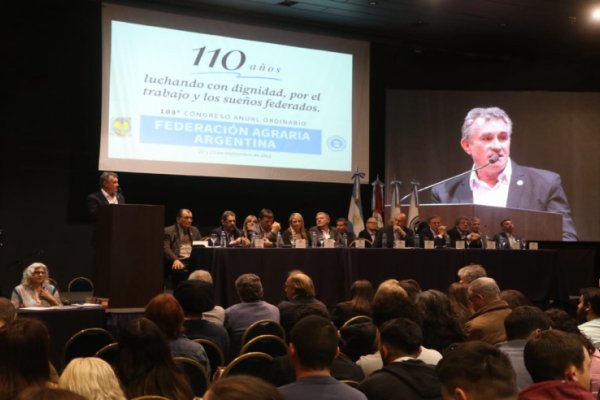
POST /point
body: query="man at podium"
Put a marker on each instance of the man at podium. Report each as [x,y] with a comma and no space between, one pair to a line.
[108,193]
[498,181]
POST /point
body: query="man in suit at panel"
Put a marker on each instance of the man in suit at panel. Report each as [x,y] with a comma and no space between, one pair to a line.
[108,193]
[397,230]
[507,238]
[434,230]
[486,136]
[234,237]
[370,232]
[322,231]
[477,238]
[177,246]
[460,231]
[341,224]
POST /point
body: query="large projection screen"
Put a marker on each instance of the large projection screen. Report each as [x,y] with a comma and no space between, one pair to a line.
[555,131]
[189,96]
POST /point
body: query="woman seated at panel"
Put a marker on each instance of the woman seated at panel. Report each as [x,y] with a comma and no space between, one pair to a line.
[35,289]
[249,226]
[295,230]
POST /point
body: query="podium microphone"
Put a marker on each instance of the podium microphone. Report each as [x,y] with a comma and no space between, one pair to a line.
[491,160]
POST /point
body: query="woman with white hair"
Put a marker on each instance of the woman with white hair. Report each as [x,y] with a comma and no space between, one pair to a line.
[93,378]
[35,289]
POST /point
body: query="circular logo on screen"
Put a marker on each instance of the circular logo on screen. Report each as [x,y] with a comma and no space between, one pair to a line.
[336,143]
[121,126]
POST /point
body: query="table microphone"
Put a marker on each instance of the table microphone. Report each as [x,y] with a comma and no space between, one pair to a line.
[491,160]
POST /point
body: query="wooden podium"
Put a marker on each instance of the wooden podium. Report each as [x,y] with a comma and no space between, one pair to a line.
[530,225]
[129,254]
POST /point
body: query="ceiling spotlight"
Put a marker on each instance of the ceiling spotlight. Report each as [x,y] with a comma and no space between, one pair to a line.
[596,14]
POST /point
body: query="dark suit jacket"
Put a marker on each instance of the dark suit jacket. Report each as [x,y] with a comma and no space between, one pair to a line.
[427,234]
[529,189]
[455,235]
[230,235]
[96,199]
[171,241]
[503,237]
[389,232]
[333,234]
[364,234]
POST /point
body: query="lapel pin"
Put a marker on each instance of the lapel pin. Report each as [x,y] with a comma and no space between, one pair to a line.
[520,182]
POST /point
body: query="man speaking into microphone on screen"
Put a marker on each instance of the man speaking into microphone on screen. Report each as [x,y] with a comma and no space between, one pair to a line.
[498,181]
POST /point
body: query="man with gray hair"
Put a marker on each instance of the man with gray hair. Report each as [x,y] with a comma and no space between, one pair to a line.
[498,181]
[252,308]
[322,231]
[108,194]
[469,273]
[487,323]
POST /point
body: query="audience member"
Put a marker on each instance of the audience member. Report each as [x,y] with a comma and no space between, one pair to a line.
[476,371]
[559,364]
[397,230]
[164,310]
[459,300]
[108,194]
[242,387]
[342,367]
[295,230]
[177,246]
[391,301]
[313,347]
[460,231]
[341,225]
[361,296]
[251,309]
[523,323]
[434,231]
[588,311]
[195,298]
[469,273]
[440,326]
[412,287]
[49,393]
[370,232]
[299,292]
[563,321]
[322,231]
[403,375]
[490,311]
[234,237]
[8,311]
[145,365]
[217,314]
[24,360]
[268,227]
[515,298]
[35,289]
[507,238]
[93,378]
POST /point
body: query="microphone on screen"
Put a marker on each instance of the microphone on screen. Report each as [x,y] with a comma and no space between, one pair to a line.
[494,158]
